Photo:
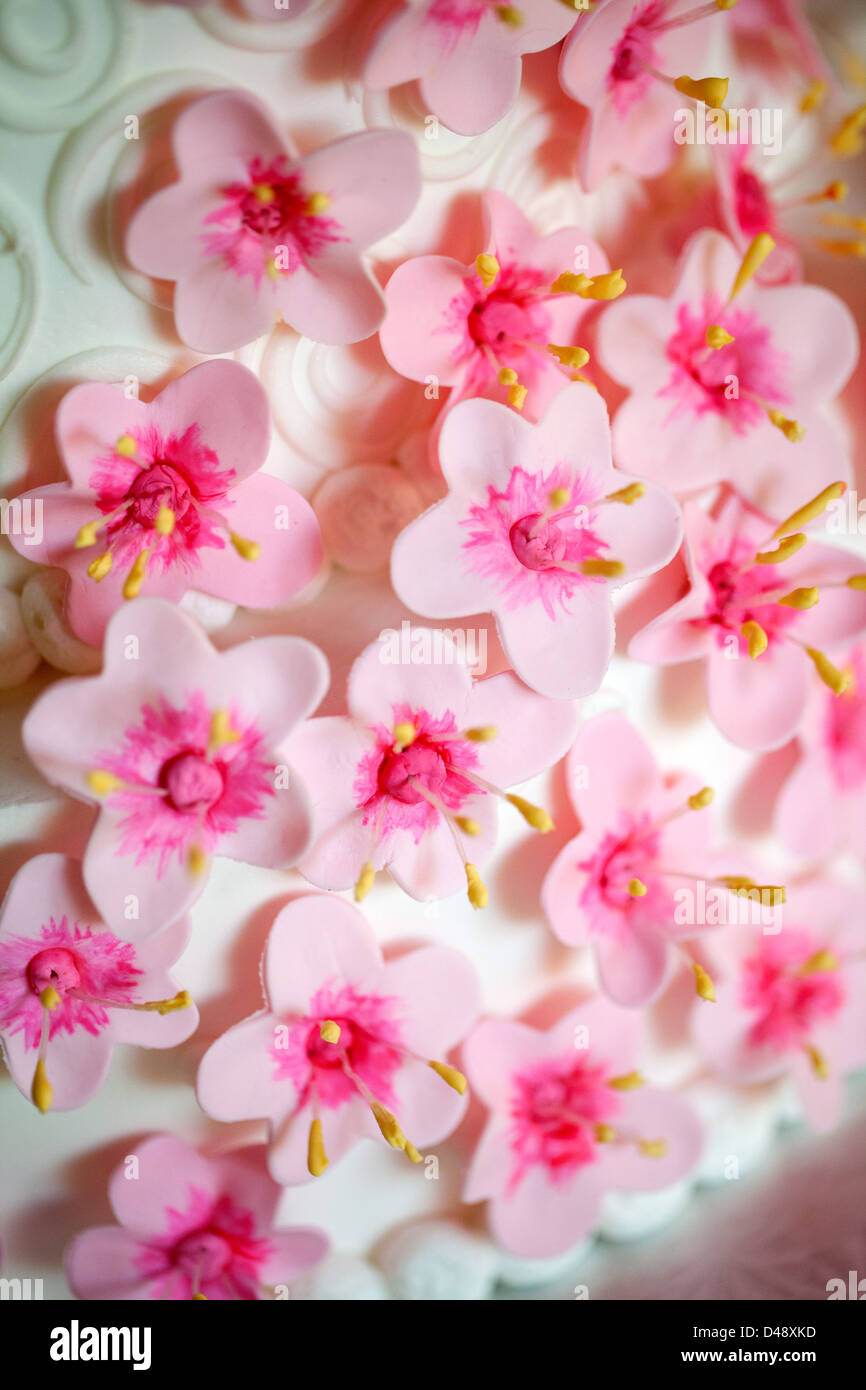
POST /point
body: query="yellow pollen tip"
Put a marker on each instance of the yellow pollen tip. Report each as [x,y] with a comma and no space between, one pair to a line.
[196,860]
[604,1134]
[653,1148]
[792,431]
[273,272]
[701,799]
[820,1065]
[412,1153]
[103,783]
[810,510]
[135,578]
[820,962]
[516,396]
[482,734]
[559,497]
[835,192]
[629,1081]
[221,731]
[788,546]
[840,247]
[330,1031]
[510,15]
[388,1126]
[535,816]
[800,598]
[454,1078]
[813,97]
[609,286]
[181,1000]
[604,569]
[365,882]
[576,357]
[757,252]
[507,377]
[263,193]
[248,550]
[317,1159]
[199,1298]
[847,138]
[165,520]
[317,203]
[405,734]
[725,4]
[41,1092]
[125,446]
[475,890]
[87,535]
[467,825]
[737,883]
[99,568]
[857,581]
[756,638]
[718,337]
[636,888]
[710,90]
[704,987]
[49,998]
[627,495]
[836,680]
[487,269]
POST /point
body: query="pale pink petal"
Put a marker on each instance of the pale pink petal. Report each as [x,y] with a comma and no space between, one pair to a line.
[532,733]
[166,1170]
[542,1218]
[758,704]
[376,685]
[373,180]
[416,338]
[269,512]
[102,1264]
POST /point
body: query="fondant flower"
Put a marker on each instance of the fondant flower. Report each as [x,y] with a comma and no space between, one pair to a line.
[70,990]
[466,54]
[409,780]
[570,1119]
[166,496]
[621,61]
[792,1003]
[499,327]
[717,371]
[760,608]
[191,1227]
[822,806]
[783,29]
[617,886]
[349,1046]
[537,528]
[177,743]
[252,233]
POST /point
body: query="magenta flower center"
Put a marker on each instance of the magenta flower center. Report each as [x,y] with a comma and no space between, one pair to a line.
[420,765]
[752,205]
[193,784]
[538,543]
[498,327]
[361,1063]
[457,17]
[738,589]
[161,485]
[787,996]
[203,1254]
[554,1109]
[632,56]
[56,968]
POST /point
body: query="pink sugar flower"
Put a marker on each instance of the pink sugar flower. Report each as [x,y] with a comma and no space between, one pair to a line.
[177,743]
[759,609]
[643,836]
[469,326]
[699,414]
[191,1227]
[537,528]
[409,780]
[822,806]
[792,1003]
[782,26]
[466,54]
[70,991]
[167,497]
[570,1119]
[349,1046]
[252,233]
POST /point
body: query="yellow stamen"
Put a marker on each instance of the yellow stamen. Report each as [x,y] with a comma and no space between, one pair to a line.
[405,735]
[576,357]
[388,1126]
[248,550]
[835,192]
[487,269]
[700,799]
[857,581]
[653,1148]
[606,569]
[482,734]
[103,783]
[835,246]
[475,890]
[629,1081]
[196,860]
[273,272]
[710,90]
[704,987]
[467,825]
[365,882]
[412,1153]
[508,377]
[627,495]
[836,680]
[718,337]
[792,431]
[558,497]
[49,998]
[99,568]
[636,888]
[199,1298]
[609,286]
[125,446]
[818,963]
[844,219]
[510,15]
[41,1092]
[757,252]
[87,535]
[330,1031]
[800,598]
[263,193]
[847,138]
[535,816]
[605,1134]
[317,203]
[165,520]
[181,1000]
[454,1078]
[135,578]
[788,546]
[517,396]
[820,1065]
[317,1159]
[810,510]
[747,887]
[221,731]
[756,638]
[813,97]
[725,4]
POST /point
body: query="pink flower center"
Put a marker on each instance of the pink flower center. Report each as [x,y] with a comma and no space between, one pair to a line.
[422,764]
[844,730]
[210,1247]
[787,996]
[161,485]
[362,1062]
[498,327]
[193,784]
[56,968]
[538,543]
[752,205]
[738,587]
[554,1108]
[457,17]
[203,1255]
[631,57]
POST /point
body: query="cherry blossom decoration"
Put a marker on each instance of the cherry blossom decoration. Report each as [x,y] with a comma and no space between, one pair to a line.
[466,54]
[791,1002]
[177,745]
[643,837]
[411,778]
[571,1118]
[505,326]
[254,234]
[762,604]
[191,1227]
[168,496]
[70,991]
[718,372]
[538,528]
[349,1046]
